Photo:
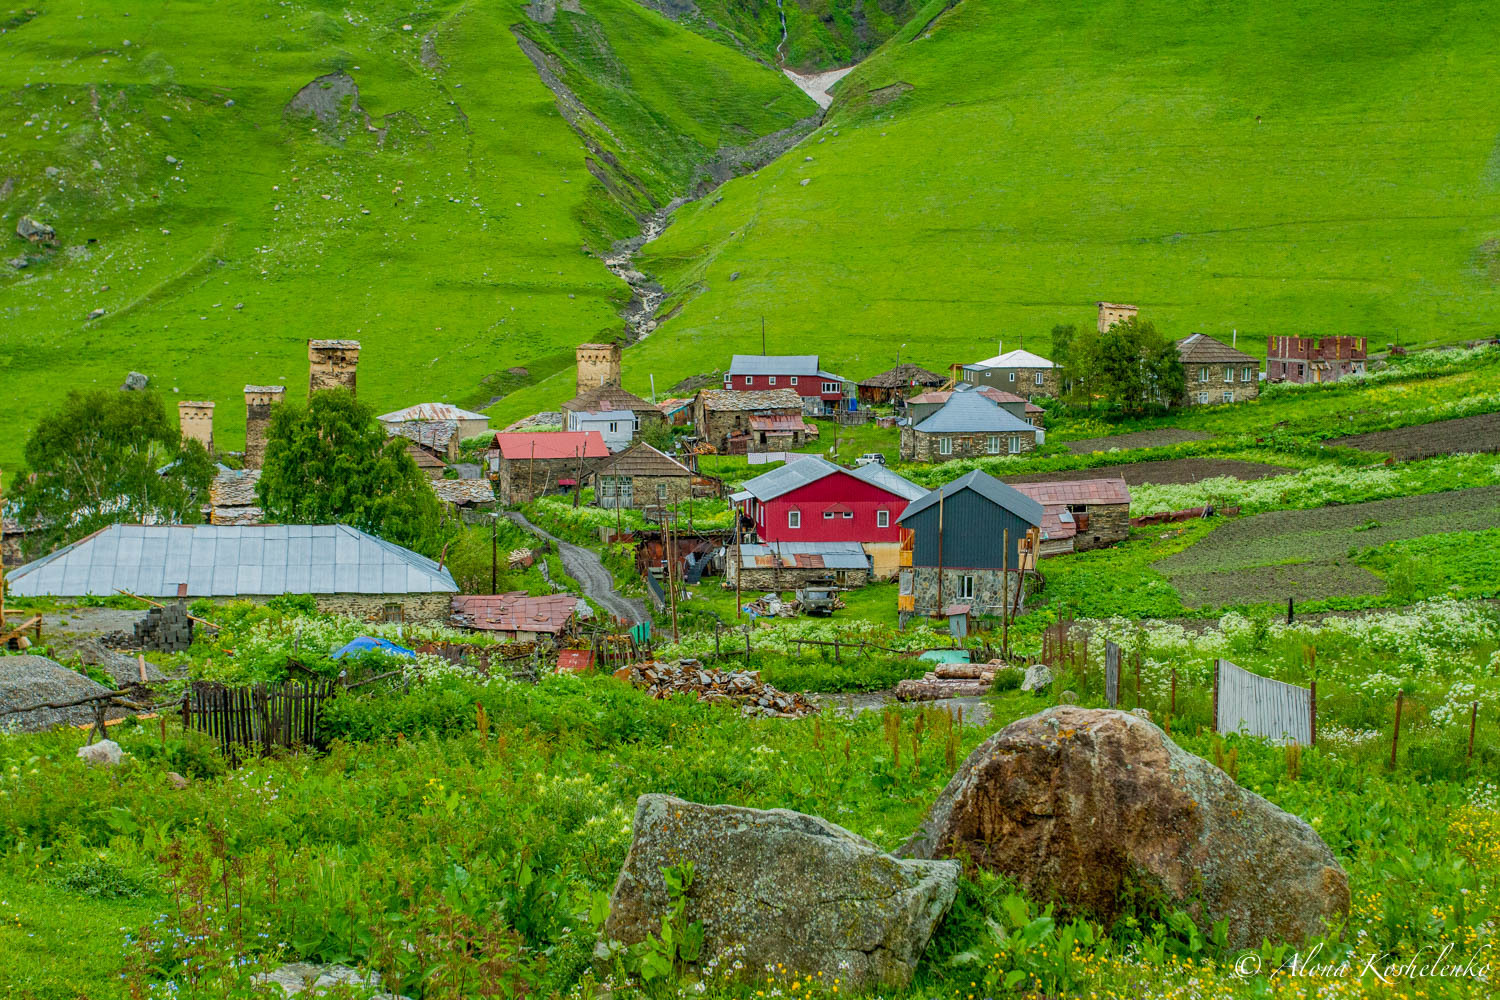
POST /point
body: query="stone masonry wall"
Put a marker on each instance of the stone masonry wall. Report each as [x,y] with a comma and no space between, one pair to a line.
[920,447]
[1216,386]
[414,607]
[259,400]
[332,364]
[1109,523]
[990,589]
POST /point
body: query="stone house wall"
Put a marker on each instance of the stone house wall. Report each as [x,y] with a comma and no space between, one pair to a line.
[1024,384]
[372,607]
[790,578]
[1216,386]
[522,480]
[992,589]
[644,492]
[1109,523]
[919,446]
[331,364]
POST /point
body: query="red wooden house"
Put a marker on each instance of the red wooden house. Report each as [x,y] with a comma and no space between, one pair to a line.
[821,391]
[813,500]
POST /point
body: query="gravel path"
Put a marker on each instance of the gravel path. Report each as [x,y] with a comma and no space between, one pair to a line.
[584,566]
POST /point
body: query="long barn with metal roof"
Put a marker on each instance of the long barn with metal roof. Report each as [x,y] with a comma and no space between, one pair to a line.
[346,570]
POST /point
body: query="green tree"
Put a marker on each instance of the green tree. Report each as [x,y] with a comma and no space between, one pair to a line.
[1134,366]
[109,457]
[1063,335]
[331,462]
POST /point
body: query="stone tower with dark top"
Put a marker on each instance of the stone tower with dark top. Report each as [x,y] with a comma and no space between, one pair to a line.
[196,418]
[598,364]
[331,364]
[258,402]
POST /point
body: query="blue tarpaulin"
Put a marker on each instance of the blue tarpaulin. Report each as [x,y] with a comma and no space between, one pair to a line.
[368,643]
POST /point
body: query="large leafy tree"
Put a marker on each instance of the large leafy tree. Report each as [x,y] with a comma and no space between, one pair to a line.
[331,462]
[108,457]
[1132,365]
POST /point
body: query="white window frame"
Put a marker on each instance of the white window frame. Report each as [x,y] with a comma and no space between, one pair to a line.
[828,515]
[1012,376]
[1203,373]
[749,379]
[1229,373]
[848,515]
[1202,397]
[772,380]
[832,387]
[882,519]
[1039,378]
[661,491]
[614,426]
[994,444]
[1247,374]
[1228,396]
[794,519]
[966,587]
[945,446]
[794,380]
[1015,444]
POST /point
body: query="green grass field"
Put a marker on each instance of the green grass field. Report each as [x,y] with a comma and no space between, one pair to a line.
[1298,168]
[452,225]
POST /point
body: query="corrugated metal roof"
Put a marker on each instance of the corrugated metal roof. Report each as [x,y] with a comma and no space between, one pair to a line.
[551,444]
[1085,491]
[879,476]
[430,411]
[805,555]
[973,412]
[786,423]
[811,468]
[607,399]
[774,364]
[986,486]
[515,612]
[230,561]
[1014,359]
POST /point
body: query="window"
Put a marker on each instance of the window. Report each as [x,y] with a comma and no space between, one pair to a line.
[661,491]
[749,380]
[772,380]
[1228,396]
[1015,444]
[794,380]
[945,446]
[614,426]
[728,378]
[1203,374]
[1202,397]
[831,387]
[1228,373]
[968,374]
[965,588]
[794,519]
[606,488]
[1247,374]
[1012,376]
[394,612]
[848,515]
[1038,378]
[828,515]
[994,446]
[882,519]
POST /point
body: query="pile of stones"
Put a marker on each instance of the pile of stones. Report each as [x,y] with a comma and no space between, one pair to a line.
[165,629]
[662,680]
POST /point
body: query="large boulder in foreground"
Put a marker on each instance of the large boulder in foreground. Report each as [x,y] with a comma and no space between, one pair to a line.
[782,887]
[1087,806]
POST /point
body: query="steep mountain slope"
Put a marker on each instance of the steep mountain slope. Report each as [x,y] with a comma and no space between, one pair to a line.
[803,35]
[229,178]
[996,168]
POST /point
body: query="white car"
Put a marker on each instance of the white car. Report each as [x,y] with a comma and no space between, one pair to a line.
[870,458]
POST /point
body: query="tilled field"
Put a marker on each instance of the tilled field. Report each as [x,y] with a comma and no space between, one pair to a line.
[1136,439]
[1304,554]
[1172,470]
[1445,437]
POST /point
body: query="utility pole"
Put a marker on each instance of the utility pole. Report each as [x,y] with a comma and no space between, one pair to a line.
[671,558]
[494,552]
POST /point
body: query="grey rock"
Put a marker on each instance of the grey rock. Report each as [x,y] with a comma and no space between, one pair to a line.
[172,159]
[806,181]
[776,886]
[297,978]
[1068,697]
[105,753]
[1038,678]
[37,232]
[52,172]
[134,382]
[177,781]
[1086,806]
[124,669]
[95,313]
[734,276]
[18,262]
[1141,713]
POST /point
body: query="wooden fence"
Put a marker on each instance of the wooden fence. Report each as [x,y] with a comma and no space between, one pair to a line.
[1111,674]
[1261,706]
[257,719]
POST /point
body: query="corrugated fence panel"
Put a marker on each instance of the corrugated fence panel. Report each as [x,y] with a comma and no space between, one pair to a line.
[1261,706]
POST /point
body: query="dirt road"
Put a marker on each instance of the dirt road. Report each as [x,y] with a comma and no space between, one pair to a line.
[584,566]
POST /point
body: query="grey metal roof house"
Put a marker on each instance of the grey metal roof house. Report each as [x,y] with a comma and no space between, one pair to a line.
[972,413]
[777,364]
[987,486]
[805,555]
[786,478]
[220,560]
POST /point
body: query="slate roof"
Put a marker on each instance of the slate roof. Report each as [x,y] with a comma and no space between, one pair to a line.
[804,555]
[902,376]
[795,475]
[430,411]
[987,486]
[1014,359]
[232,499]
[463,491]
[434,434]
[515,612]
[606,399]
[753,399]
[970,413]
[987,391]
[1081,491]
[1204,350]
[426,460]
[551,444]
[230,561]
[640,459]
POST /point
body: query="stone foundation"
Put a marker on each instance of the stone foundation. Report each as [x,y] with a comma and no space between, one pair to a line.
[372,607]
[919,447]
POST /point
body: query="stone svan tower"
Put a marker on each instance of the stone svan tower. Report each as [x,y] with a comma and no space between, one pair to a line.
[598,364]
[331,364]
[258,402]
[1111,313]
[196,418]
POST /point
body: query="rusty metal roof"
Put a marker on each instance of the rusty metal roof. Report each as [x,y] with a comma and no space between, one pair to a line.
[783,423]
[805,555]
[515,612]
[1112,490]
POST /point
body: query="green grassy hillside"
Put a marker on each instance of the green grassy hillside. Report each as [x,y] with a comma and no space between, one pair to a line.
[820,34]
[445,214]
[997,168]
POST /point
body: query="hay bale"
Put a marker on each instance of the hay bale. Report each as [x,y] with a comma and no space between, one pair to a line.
[30,680]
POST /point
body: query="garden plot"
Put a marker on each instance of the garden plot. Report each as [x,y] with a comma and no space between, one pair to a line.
[1306,554]
[1136,439]
[1445,437]
[1172,471]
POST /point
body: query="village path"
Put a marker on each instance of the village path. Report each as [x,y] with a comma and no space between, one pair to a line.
[586,567]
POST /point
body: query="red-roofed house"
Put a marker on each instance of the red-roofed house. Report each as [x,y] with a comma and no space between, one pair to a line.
[526,465]
[1080,514]
[516,615]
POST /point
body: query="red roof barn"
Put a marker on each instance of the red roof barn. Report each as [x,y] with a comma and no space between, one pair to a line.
[528,465]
